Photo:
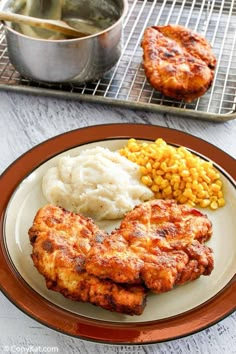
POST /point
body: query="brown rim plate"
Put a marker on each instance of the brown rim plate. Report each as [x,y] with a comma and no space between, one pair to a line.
[26,298]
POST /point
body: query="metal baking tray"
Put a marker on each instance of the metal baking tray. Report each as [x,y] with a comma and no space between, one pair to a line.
[126,83]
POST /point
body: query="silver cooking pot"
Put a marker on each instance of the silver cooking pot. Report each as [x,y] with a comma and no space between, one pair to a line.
[69,60]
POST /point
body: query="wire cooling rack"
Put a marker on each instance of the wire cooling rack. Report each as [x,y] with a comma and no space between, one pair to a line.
[126,83]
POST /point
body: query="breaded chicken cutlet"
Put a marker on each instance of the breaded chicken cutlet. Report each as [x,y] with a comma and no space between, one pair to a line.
[159,244]
[177,61]
[61,241]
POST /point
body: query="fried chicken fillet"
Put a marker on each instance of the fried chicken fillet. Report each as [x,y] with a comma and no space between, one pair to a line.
[159,243]
[61,241]
[177,61]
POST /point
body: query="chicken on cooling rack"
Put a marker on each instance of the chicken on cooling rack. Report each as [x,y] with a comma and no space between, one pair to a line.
[159,243]
[61,241]
[177,61]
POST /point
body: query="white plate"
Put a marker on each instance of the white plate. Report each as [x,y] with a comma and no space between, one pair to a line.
[28,198]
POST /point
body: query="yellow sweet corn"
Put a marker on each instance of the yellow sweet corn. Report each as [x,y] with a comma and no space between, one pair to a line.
[175,172]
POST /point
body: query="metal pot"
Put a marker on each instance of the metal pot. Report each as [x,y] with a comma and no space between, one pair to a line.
[69,60]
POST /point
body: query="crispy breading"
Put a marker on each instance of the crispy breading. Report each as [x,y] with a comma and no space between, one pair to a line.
[177,61]
[159,243]
[61,241]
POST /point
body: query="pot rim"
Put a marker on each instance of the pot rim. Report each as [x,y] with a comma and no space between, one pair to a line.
[108,29]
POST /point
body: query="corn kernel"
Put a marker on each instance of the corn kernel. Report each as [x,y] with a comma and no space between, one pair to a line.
[176,186]
[214,205]
[206,178]
[155,188]
[167,190]
[219,182]
[191,203]
[149,166]
[204,203]
[182,199]
[146,180]
[176,178]
[134,147]
[177,193]
[221,202]
[195,185]
[164,183]
[215,187]
[158,180]
[187,192]
[168,176]
[156,164]
[160,172]
[185,173]
[143,170]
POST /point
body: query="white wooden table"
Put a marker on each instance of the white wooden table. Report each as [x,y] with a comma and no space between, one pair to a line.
[25,121]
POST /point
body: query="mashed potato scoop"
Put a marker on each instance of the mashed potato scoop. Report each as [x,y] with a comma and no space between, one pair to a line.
[98,183]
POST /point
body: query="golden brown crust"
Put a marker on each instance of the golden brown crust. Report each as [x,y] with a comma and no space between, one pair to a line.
[159,243]
[177,61]
[61,241]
